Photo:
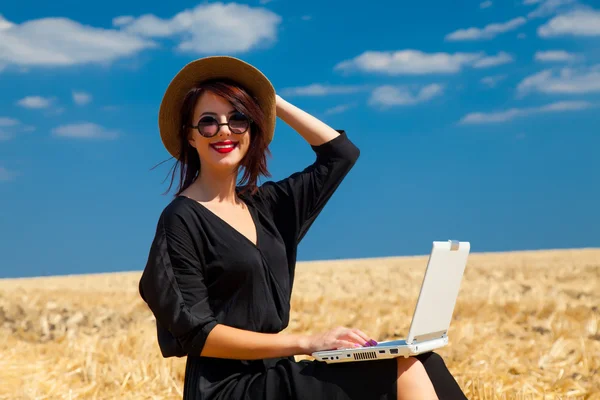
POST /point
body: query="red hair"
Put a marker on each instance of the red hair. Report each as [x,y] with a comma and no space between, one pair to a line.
[254,163]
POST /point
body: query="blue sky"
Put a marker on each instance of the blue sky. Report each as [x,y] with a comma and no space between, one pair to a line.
[476,121]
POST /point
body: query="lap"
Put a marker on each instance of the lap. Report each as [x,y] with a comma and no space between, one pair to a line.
[285,378]
[364,380]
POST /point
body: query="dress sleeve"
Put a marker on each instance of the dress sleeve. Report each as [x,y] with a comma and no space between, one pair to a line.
[297,200]
[172,285]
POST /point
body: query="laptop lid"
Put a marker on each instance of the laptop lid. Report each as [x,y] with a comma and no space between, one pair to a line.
[439,290]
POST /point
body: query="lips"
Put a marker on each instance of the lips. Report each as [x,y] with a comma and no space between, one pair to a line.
[224,146]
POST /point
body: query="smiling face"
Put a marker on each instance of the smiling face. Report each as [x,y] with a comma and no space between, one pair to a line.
[226,152]
[223,151]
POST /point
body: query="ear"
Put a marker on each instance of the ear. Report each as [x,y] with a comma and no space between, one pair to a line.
[191,140]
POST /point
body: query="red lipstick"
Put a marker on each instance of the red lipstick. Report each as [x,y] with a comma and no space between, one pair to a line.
[224,146]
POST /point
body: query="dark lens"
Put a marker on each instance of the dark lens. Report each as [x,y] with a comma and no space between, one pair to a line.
[238,123]
[208,126]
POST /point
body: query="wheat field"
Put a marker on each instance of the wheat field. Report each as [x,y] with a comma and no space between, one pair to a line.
[526,326]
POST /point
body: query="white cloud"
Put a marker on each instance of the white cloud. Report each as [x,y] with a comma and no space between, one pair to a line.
[5,121]
[9,127]
[317,89]
[63,42]
[548,7]
[123,20]
[5,24]
[492,81]
[84,130]
[488,32]
[485,4]
[564,81]
[416,62]
[579,22]
[6,175]
[411,62]
[149,25]
[339,109]
[35,102]
[492,61]
[510,114]
[81,98]
[388,95]
[209,28]
[554,55]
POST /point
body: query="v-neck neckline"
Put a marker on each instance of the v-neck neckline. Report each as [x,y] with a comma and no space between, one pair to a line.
[227,224]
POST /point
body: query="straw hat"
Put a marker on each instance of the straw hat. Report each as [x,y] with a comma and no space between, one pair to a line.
[249,77]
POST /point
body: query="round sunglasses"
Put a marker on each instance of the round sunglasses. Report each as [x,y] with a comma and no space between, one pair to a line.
[208,126]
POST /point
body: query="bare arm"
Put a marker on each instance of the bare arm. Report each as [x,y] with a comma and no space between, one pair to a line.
[313,130]
[228,342]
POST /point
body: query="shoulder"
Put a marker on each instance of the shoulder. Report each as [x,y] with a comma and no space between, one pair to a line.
[177,207]
[178,213]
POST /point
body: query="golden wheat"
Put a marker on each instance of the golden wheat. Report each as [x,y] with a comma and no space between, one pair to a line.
[526,326]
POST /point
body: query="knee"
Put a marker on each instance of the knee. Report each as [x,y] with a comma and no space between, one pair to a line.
[406,363]
[413,381]
[431,360]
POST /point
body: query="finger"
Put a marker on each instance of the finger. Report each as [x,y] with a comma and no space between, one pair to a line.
[363,335]
[365,340]
[344,344]
[357,339]
[341,330]
[370,341]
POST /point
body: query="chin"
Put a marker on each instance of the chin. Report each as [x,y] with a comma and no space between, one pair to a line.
[228,165]
[228,161]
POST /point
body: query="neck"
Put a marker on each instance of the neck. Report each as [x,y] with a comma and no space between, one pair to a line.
[214,186]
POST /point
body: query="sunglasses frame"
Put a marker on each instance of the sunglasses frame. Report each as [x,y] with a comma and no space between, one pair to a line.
[219,125]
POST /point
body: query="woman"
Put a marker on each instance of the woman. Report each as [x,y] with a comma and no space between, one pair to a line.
[221,266]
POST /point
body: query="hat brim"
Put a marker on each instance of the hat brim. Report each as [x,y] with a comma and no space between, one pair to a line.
[214,67]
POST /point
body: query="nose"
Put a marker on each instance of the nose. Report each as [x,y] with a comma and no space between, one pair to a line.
[224,128]
[224,131]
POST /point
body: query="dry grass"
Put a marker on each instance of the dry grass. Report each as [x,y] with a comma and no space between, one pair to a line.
[526,326]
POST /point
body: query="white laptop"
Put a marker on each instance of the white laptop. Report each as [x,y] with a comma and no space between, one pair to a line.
[433,311]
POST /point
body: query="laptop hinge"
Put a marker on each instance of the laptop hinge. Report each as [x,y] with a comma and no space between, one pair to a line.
[429,336]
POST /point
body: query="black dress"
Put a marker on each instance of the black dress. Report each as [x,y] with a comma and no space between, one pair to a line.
[201,271]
